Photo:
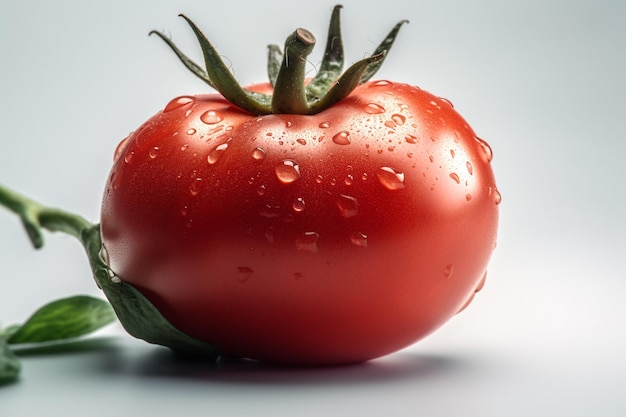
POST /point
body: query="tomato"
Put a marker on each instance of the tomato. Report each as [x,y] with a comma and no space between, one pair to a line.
[315,239]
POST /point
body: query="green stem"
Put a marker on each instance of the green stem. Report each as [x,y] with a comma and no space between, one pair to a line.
[136,313]
[289,90]
[34,217]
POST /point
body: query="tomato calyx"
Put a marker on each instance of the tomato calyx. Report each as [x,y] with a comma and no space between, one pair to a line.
[286,71]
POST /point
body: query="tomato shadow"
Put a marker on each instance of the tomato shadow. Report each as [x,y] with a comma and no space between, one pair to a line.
[158,363]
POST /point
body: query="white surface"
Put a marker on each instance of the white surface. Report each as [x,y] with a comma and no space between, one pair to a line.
[542,81]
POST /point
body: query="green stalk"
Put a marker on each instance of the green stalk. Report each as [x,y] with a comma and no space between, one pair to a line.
[137,314]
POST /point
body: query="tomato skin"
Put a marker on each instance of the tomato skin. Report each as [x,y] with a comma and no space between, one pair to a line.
[326,239]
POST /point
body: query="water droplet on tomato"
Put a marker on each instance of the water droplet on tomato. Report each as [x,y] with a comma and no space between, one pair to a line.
[348,206]
[307,242]
[270,212]
[216,153]
[244,273]
[455,177]
[178,102]
[497,197]
[261,190]
[210,117]
[468,197]
[258,154]
[184,147]
[412,139]
[390,178]
[120,147]
[301,141]
[319,179]
[448,102]
[128,157]
[359,239]
[298,205]
[154,152]
[448,271]
[342,138]
[380,83]
[470,168]
[324,125]
[297,275]
[194,187]
[348,180]
[485,148]
[373,108]
[287,171]
[398,119]
[191,131]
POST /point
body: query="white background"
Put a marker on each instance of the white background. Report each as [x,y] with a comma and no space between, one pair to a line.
[542,81]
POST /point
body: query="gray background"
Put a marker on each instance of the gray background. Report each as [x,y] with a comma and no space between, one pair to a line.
[542,81]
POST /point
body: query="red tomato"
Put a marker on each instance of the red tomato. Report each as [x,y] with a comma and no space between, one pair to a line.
[324,239]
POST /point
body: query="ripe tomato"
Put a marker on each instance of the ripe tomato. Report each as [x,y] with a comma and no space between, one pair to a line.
[304,239]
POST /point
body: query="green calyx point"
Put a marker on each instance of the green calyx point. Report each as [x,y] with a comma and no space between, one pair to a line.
[287,71]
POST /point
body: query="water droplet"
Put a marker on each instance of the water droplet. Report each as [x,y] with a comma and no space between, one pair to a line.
[455,177]
[390,178]
[468,197]
[398,119]
[364,176]
[349,179]
[216,153]
[184,147]
[342,138]
[128,157]
[258,154]
[412,139]
[390,124]
[153,152]
[448,271]
[470,168]
[348,206]
[191,131]
[244,273]
[324,125]
[178,102]
[359,239]
[448,102]
[381,83]
[270,212]
[287,171]
[301,141]
[261,190]
[194,187]
[297,275]
[184,211]
[210,117]
[298,205]
[373,108]
[307,242]
[431,158]
[485,148]
[120,147]
[104,255]
[497,197]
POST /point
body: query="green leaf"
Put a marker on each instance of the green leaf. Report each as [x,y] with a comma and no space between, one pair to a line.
[9,364]
[66,318]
